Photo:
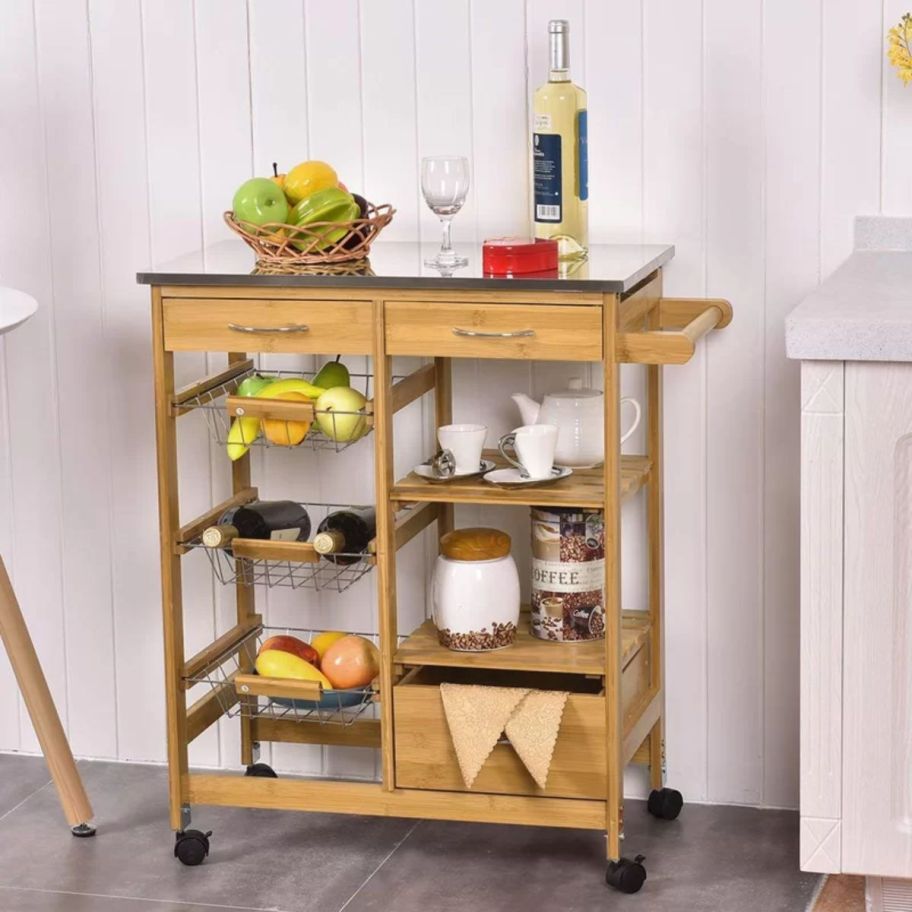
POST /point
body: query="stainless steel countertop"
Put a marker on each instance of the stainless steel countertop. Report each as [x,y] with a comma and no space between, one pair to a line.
[610,268]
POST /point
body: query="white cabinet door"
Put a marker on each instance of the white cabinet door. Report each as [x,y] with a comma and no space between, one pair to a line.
[877,670]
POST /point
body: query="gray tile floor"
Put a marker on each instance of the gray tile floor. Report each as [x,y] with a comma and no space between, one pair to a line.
[712,858]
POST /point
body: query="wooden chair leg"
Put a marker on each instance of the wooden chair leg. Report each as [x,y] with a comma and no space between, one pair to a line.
[40,705]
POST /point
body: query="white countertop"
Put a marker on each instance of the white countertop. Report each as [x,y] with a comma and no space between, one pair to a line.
[863,311]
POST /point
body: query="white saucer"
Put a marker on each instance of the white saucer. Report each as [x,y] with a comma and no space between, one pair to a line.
[511,478]
[428,474]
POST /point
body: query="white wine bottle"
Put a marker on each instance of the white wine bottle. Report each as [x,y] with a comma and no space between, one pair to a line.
[560,162]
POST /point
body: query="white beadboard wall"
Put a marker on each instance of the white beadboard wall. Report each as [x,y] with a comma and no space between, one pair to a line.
[747,133]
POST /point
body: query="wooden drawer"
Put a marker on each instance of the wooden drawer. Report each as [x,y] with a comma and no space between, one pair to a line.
[540,332]
[425,757]
[262,325]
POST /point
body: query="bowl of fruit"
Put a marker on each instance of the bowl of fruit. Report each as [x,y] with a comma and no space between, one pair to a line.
[344,664]
[305,217]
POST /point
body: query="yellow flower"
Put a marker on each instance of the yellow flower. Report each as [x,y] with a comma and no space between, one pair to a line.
[899,52]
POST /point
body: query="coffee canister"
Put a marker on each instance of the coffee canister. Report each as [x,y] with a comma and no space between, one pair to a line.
[568,574]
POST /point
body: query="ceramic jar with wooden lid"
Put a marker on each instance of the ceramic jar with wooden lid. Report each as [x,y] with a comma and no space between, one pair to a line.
[476,591]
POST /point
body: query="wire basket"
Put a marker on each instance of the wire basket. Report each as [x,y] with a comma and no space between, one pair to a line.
[276,242]
[231,677]
[309,571]
[216,409]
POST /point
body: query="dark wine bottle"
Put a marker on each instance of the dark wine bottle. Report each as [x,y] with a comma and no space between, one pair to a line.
[345,534]
[274,520]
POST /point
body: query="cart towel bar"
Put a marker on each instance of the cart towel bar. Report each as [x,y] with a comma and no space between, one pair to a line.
[259,330]
[478,334]
[684,322]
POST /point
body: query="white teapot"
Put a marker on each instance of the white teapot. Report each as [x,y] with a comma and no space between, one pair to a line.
[579,416]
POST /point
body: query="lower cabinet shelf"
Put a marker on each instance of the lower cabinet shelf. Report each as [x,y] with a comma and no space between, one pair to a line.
[528,653]
[426,758]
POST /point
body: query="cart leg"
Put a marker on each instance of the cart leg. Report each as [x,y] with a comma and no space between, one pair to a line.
[244,594]
[172,609]
[40,704]
[443,413]
[386,542]
[657,756]
[612,592]
[663,802]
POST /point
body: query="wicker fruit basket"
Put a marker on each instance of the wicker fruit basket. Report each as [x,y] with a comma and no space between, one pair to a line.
[305,245]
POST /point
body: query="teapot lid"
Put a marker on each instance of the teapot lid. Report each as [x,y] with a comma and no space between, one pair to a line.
[575,391]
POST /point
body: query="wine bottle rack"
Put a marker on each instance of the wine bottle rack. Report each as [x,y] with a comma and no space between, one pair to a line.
[240,692]
[293,565]
[221,405]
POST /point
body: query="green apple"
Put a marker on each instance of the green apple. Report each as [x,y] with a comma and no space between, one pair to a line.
[333,373]
[338,413]
[259,201]
[250,386]
[328,205]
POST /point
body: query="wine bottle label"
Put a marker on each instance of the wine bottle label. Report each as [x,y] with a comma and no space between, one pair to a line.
[546,157]
[284,534]
[582,169]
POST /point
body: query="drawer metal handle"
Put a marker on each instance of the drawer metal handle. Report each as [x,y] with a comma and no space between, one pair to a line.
[477,334]
[291,328]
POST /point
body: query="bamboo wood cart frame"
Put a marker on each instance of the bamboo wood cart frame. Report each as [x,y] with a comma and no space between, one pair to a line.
[617,705]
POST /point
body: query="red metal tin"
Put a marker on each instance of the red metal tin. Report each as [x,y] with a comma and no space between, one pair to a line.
[518,256]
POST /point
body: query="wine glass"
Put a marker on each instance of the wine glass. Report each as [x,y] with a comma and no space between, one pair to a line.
[445,183]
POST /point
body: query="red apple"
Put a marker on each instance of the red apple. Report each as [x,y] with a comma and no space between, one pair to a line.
[352,661]
[293,645]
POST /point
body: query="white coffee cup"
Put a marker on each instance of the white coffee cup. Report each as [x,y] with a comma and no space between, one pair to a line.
[533,446]
[465,442]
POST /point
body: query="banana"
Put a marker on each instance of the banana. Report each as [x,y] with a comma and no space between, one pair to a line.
[290,385]
[242,433]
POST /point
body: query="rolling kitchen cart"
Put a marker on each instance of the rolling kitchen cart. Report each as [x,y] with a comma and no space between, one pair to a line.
[609,310]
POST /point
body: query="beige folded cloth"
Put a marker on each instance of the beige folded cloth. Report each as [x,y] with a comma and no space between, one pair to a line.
[477,716]
[533,728]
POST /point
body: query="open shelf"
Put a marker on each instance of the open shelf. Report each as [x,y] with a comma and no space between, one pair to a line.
[528,653]
[584,488]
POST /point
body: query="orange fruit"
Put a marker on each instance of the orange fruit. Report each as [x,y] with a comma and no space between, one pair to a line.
[280,431]
[307,178]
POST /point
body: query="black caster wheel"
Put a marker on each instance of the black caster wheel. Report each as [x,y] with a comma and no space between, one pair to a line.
[626,875]
[83,830]
[665,803]
[261,771]
[191,847]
